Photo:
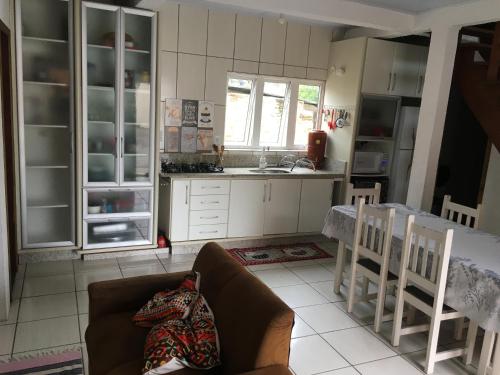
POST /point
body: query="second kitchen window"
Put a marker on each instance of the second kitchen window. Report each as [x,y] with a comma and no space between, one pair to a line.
[269,111]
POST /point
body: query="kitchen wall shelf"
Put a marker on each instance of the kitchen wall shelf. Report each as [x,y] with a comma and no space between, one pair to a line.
[44,45]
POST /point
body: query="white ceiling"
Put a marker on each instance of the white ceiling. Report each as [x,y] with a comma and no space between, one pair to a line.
[411,6]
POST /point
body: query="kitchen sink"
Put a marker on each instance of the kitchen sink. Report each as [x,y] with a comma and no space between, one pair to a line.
[269,171]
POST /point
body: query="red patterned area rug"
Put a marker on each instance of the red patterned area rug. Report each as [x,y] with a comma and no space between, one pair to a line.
[278,253]
[67,363]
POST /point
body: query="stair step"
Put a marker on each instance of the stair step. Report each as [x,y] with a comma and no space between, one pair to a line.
[477,31]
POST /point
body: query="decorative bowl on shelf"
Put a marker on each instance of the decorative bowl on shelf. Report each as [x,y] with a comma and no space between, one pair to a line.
[94,209]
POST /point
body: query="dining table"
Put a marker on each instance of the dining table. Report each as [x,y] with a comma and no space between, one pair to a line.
[473,282]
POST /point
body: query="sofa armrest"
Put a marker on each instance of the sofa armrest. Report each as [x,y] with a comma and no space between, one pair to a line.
[107,297]
[271,370]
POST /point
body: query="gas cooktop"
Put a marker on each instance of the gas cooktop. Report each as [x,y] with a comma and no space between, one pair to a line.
[170,167]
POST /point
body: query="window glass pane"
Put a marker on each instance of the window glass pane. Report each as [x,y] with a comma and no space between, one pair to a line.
[238,111]
[307,112]
[272,126]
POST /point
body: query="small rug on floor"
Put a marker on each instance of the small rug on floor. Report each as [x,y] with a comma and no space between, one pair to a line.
[67,363]
[278,253]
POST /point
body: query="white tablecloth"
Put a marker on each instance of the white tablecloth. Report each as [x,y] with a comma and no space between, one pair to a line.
[473,286]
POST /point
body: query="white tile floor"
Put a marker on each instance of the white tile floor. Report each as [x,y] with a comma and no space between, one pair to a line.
[50,311]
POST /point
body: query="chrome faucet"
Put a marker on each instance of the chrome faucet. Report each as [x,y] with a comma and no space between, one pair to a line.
[304,162]
[287,161]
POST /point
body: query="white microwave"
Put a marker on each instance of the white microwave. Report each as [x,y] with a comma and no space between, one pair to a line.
[369,162]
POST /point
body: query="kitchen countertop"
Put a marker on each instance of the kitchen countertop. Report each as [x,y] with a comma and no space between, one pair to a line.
[245,173]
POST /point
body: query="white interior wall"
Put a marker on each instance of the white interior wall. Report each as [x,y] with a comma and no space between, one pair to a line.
[198,46]
[5,16]
[490,215]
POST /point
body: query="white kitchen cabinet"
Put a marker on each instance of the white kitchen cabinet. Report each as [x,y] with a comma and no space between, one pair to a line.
[247,38]
[273,41]
[246,208]
[377,76]
[297,41]
[168,26]
[179,223]
[319,47]
[406,69]
[221,25]
[315,201]
[168,74]
[193,21]
[191,76]
[282,206]
[216,85]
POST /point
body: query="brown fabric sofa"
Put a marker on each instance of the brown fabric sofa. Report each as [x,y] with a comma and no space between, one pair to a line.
[254,325]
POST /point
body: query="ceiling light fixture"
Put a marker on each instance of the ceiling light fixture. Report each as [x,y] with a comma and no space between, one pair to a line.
[282,19]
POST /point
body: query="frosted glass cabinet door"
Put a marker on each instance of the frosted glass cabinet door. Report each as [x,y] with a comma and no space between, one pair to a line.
[46,143]
[138,56]
[100,46]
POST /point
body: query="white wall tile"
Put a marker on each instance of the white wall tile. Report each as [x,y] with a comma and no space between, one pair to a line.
[319,47]
[242,66]
[319,74]
[220,119]
[217,68]
[193,29]
[273,41]
[167,70]
[295,71]
[271,69]
[191,77]
[168,23]
[297,43]
[221,26]
[247,38]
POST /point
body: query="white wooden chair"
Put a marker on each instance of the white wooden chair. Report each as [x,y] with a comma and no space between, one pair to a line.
[370,256]
[460,214]
[370,195]
[489,363]
[422,283]
[466,216]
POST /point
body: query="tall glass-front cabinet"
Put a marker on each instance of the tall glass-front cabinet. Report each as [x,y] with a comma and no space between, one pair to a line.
[46,122]
[118,63]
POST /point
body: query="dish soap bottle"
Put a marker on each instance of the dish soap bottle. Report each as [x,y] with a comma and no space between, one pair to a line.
[262,160]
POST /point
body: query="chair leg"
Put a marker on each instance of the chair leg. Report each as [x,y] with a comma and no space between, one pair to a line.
[486,351]
[459,328]
[352,288]
[339,269]
[430,359]
[398,318]
[364,291]
[379,310]
[410,316]
[471,342]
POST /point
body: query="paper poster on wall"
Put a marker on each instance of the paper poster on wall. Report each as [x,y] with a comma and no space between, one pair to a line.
[173,112]
[205,140]
[188,139]
[189,112]
[205,114]
[172,138]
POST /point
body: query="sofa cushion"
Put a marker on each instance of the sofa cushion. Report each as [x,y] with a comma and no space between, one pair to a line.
[113,340]
[135,367]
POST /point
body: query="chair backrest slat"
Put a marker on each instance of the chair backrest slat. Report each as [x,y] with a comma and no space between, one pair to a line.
[417,254]
[457,213]
[369,195]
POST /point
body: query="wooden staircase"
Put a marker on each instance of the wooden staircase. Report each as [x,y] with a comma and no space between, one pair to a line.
[477,72]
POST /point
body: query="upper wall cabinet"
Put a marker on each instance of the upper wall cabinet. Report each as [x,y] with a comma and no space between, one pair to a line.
[247,38]
[193,29]
[46,122]
[168,26]
[273,41]
[221,28]
[118,96]
[297,44]
[319,47]
[394,68]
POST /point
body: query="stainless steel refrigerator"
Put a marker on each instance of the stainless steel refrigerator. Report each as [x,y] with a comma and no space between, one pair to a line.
[403,154]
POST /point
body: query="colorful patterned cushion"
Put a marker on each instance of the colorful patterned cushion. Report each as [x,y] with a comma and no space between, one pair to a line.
[168,305]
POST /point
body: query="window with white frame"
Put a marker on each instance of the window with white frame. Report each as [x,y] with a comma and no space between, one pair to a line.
[270,111]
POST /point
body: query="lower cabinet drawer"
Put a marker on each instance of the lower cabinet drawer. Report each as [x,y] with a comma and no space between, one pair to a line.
[209,202]
[208,217]
[204,232]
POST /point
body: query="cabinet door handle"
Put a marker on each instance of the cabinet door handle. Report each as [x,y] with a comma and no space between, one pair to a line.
[389,82]
[210,202]
[270,190]
[394,82]
[209,217]
[211,187]
[208,232]
[122,146]
[264,196]
[186,199]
